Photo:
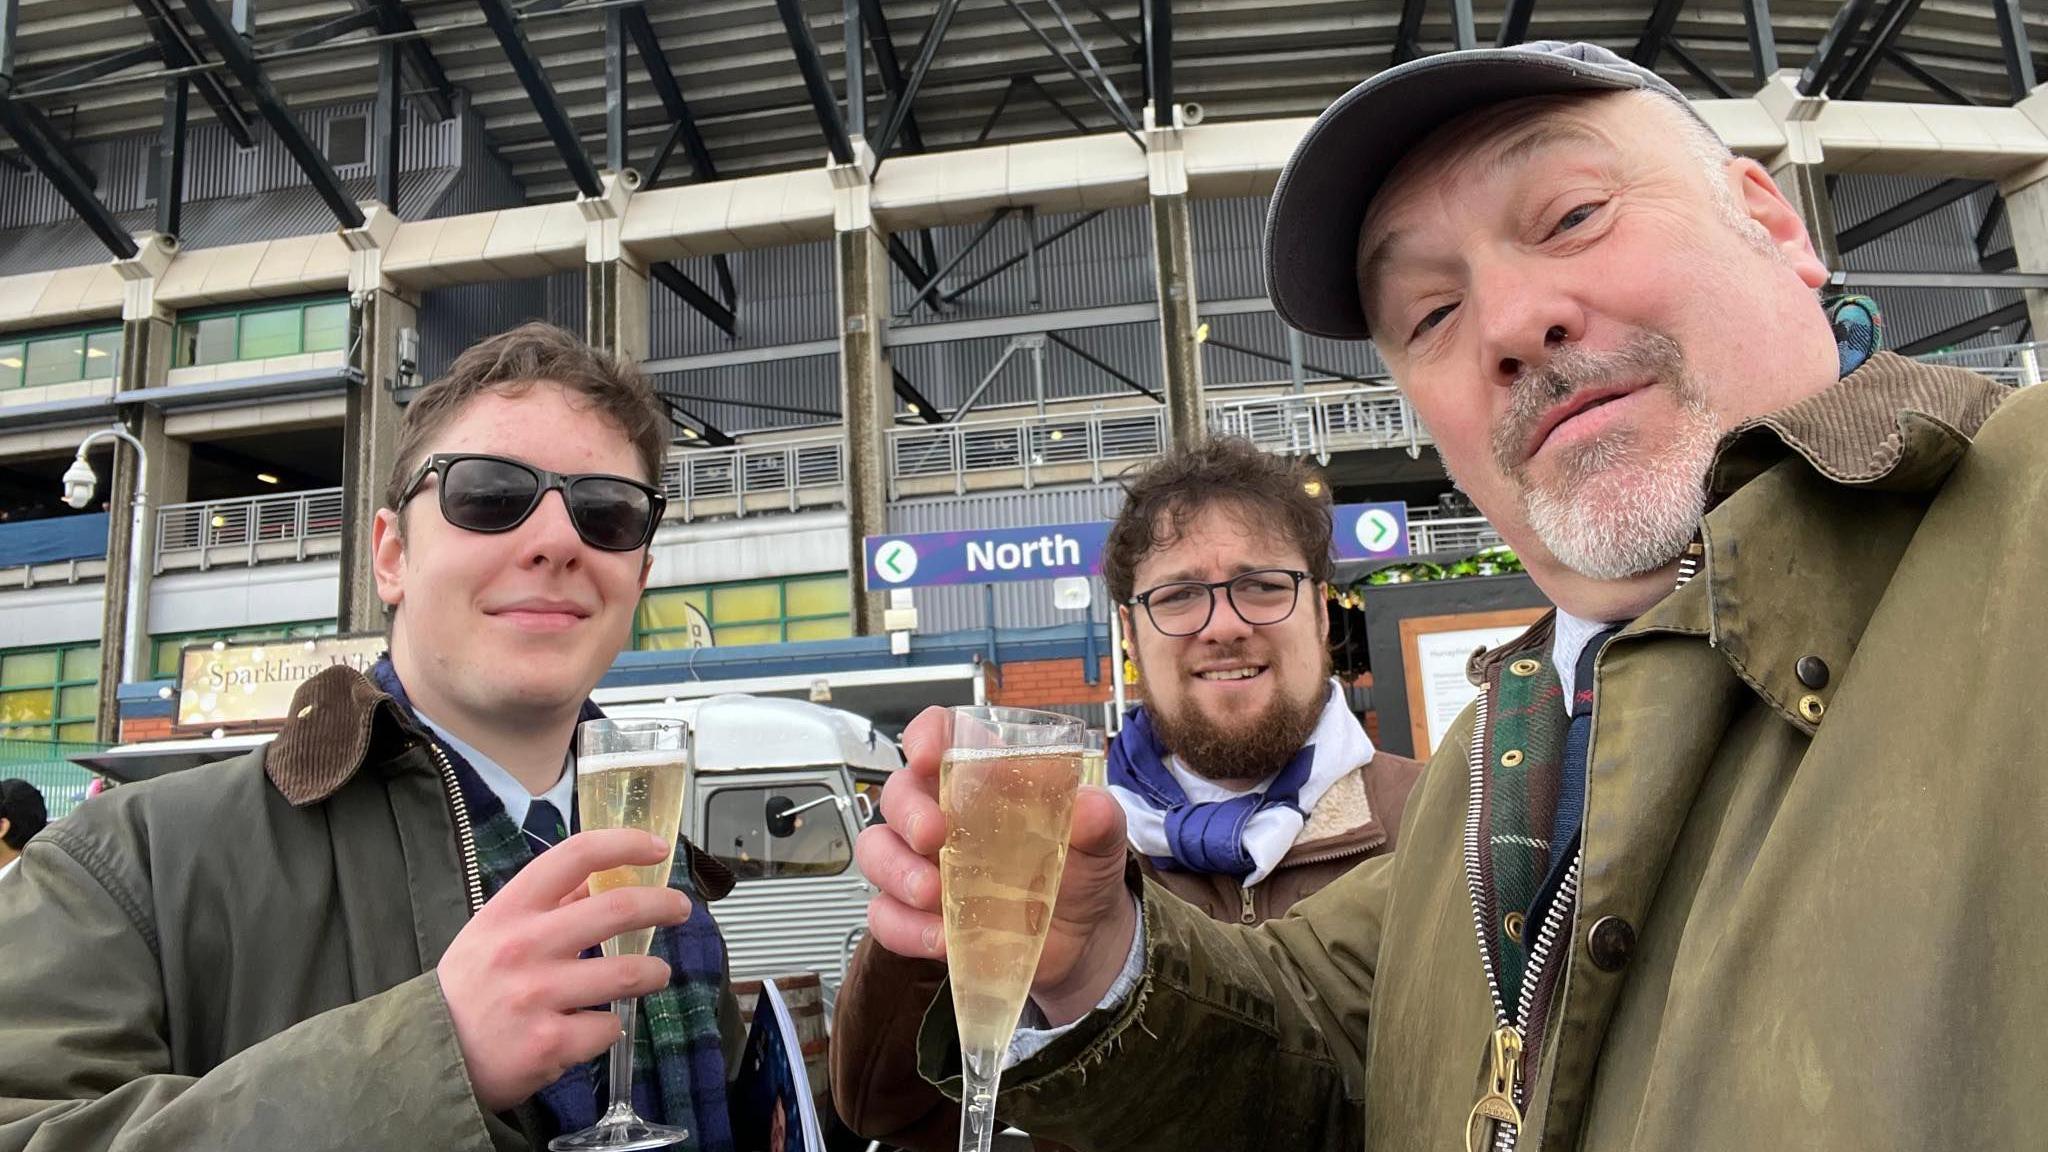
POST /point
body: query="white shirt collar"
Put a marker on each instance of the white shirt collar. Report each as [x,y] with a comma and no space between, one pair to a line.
[8,867]
[1567,642]
[510,792]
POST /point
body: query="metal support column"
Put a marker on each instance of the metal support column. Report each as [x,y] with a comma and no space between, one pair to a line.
[867,401]
[615,307]
[170,158]
[2026,210]
[369,447]
[1173,256]
[145,360]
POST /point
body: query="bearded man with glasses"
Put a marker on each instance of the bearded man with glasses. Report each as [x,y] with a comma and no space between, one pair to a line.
[1245,782]
[373,932]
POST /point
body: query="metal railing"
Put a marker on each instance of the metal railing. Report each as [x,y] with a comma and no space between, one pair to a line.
[1460,535]
[246,530]
[2019,365]
[727,481]
[1060,447]
[1320,423]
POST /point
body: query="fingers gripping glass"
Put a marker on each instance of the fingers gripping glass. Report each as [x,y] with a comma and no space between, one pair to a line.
[1185,607]
[496,494]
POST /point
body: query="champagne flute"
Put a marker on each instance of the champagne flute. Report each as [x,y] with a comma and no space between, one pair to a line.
[1007,789]
[629,774]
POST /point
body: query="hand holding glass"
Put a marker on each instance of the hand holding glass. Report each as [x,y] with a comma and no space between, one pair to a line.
[1007,789]
[629,774]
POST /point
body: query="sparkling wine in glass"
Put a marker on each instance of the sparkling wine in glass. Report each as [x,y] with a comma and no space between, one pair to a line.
[629,774]
[1007,789]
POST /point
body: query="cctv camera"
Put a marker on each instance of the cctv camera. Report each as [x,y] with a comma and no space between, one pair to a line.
[79,483]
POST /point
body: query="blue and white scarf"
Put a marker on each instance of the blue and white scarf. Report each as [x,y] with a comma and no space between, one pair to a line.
[1185,822]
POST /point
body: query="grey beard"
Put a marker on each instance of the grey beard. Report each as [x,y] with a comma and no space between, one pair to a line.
[1248,752]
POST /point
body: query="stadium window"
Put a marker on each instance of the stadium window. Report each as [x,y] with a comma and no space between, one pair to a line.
[348,141]
[748,612]
[60,358]
[262,332]
[49,693]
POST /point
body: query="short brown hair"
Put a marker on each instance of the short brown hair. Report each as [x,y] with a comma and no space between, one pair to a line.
[1279,492]
[510,363]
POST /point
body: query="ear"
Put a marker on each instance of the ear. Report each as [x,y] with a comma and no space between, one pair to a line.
[646,568]
[1322,594]
[1762,202]
[387,557]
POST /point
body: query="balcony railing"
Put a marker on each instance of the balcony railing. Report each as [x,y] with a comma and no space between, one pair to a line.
[1023,452]
[249,530]
[2019,365]
[784,475]
[1455,535]
[1321,423]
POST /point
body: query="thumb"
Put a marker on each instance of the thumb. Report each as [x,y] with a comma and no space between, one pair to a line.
[1098,824]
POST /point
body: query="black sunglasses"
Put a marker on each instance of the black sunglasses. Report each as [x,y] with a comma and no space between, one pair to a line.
[496,494]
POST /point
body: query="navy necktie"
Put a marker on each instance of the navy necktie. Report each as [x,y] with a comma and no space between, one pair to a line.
[544,824]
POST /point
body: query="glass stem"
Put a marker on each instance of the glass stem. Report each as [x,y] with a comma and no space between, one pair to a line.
[980,1074]
[622,1065]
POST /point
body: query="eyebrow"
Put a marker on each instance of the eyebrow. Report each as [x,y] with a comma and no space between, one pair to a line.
[1518,151]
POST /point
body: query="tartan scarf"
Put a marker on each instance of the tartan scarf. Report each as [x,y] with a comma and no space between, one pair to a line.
[678,1056]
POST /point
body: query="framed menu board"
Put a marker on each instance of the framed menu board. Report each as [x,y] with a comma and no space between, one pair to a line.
[1418,637]
[1437,649]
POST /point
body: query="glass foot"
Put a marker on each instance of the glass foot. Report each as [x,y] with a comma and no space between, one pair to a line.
[620,1136]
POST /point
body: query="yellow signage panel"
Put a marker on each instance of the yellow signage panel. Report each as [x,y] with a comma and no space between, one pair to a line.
[251,685]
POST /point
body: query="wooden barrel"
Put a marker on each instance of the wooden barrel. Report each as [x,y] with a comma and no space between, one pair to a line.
[805,996]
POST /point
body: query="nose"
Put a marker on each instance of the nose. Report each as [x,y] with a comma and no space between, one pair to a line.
[1225,626]
[548,539]
[1523,318]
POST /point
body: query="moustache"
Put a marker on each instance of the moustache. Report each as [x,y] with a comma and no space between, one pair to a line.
[1572,369]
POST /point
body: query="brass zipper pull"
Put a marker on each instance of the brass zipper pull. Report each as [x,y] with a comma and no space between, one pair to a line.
[1497,1105]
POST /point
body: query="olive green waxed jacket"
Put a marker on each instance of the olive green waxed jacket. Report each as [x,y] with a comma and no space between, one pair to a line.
[240,957]
[1809,917]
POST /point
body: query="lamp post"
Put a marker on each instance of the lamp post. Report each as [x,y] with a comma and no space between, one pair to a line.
[79,483]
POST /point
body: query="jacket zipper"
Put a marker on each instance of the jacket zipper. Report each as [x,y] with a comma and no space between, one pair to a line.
[1251,912]
[1499,1108]
[1337,853]
[465,835]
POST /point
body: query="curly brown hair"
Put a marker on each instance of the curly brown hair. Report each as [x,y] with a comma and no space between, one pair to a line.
[514,361]
[1160,502]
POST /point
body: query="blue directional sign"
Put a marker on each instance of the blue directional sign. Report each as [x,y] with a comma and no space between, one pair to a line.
[988,556]
[1370,531]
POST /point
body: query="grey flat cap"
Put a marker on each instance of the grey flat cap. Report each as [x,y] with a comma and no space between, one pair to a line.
[1321,199]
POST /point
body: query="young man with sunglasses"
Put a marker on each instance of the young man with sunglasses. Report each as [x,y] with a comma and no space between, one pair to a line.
[359,937]
[1245,781]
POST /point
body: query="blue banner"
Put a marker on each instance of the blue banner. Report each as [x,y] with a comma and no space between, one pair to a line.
[988,556]
[1369,531]
[47,541]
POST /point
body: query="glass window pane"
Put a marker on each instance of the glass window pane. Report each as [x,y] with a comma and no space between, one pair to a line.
[79,702]
[270,334]
[11,360]
[744,605]
[824,596]
[811,843]
[730,636]
[327,327]
[208,341]
[25,668]
[26,706]
[57,361]
[24,731]
[82,663]
[82,733]
[102,354]
[835,629]
[168,651]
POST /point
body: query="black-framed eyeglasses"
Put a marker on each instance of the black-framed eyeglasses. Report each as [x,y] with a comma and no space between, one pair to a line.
[492,494]
[1259,598]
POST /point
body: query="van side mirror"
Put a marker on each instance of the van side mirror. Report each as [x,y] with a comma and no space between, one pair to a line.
[780,818]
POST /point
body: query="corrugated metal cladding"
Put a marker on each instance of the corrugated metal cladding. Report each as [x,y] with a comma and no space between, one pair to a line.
[452,319]
[1024,604]
[1265,332]
[215,167]
[948,372]
[1229,237]
[1105,261]
[810,382]
[787,294]
[1942,241]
